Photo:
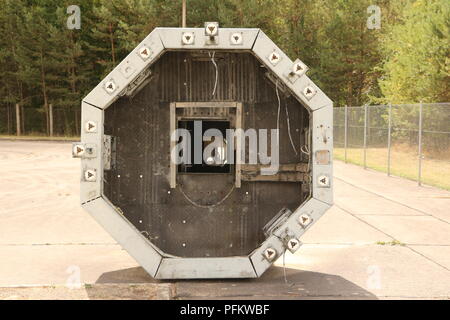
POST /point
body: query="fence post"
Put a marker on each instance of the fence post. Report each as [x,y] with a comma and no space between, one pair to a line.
[345,132]
[365,136]
[419,175]
[18,122]
[389,140]
[50,115]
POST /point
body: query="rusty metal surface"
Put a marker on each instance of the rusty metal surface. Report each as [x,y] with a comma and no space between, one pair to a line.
[205,216]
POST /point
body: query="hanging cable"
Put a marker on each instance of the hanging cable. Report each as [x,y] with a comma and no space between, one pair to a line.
[289,129]
[279,108]
[284,268]
[206,206]
[287,117]
[217,71]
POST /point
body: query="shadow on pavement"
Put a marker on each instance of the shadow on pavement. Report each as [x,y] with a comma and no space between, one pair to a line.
[272,285]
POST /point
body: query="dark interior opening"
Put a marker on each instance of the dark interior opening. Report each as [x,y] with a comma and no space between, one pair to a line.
[204,167]
[182,221]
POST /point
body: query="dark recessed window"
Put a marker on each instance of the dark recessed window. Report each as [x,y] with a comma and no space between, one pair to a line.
[217,162]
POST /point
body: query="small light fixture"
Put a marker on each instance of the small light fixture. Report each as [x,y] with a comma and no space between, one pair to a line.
[299,68]
[211,29]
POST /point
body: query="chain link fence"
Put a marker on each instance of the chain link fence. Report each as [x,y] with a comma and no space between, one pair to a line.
[408,140]
[59,121]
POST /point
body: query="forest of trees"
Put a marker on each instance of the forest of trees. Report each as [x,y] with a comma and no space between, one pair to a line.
[42,62]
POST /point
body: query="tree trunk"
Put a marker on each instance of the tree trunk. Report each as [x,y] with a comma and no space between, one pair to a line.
[111,38]
[44,92]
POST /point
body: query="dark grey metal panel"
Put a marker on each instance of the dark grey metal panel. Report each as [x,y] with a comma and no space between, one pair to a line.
[179,220]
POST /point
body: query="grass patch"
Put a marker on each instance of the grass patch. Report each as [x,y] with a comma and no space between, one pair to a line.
[40,138]
[391,243]
[404,163]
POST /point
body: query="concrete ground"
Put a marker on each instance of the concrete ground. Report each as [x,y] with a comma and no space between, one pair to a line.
[385,238]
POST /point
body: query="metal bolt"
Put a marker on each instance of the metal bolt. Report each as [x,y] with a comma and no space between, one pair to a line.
[144,52]
[304,220]
[90,126]
[188,38]
[309,92]
[270,254]
[110,86]
[236,38]
[293,244]
[78,150]
[90,175]
[274,58]
[323,181]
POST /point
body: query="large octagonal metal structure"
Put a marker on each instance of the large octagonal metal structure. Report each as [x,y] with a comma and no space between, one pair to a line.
[96,150]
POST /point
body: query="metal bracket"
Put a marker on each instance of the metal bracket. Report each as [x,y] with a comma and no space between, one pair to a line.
[109,152]
[276,222]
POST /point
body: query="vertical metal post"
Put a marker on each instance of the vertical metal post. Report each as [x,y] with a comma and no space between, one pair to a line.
[345,132]
[389,140]
[365,136]
[183,14]
[50,115]
[419,175]
[18,122]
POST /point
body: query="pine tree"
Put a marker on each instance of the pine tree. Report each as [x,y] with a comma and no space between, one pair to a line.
[417,50]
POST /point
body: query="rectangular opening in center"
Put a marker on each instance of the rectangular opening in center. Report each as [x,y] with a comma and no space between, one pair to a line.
[216,162]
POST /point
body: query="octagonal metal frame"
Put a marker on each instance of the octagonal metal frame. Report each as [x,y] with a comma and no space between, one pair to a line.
[152,259]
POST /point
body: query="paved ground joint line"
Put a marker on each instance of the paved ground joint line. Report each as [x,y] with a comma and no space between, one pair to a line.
[392,200]
[406,245]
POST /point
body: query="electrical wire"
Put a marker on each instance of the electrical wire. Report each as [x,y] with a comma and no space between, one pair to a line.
[284,267]
[279,108]
[217,71]
[206,206]
[289,129]
[287,119]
